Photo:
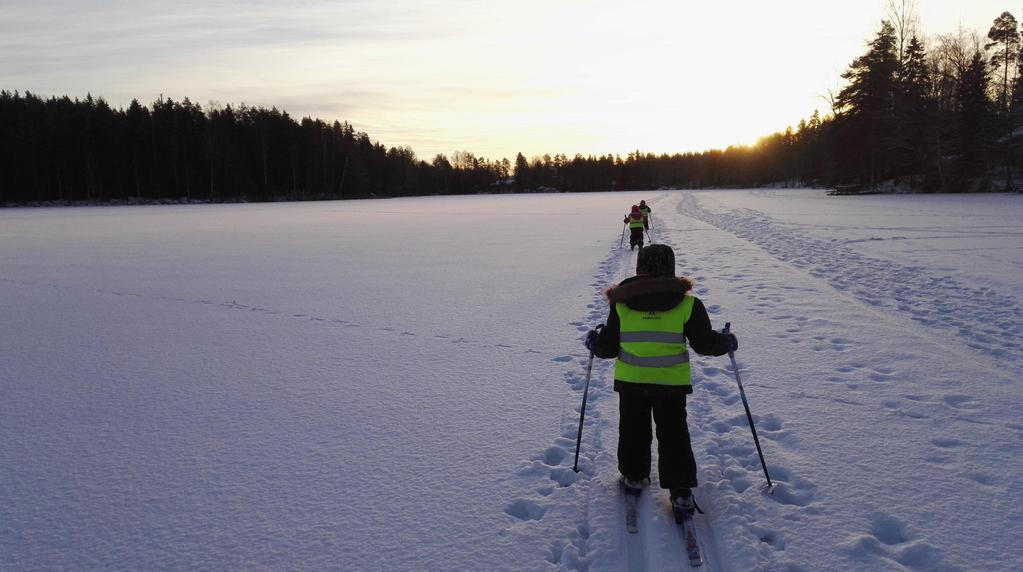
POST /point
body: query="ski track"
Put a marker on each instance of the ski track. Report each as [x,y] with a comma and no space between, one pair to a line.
[983,319]
[588,504]
[732,490]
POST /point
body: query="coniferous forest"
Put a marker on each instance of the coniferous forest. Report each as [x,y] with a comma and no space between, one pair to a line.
[942,114]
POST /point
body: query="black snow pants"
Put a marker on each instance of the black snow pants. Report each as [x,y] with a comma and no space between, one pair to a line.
[676,466]
[636,237]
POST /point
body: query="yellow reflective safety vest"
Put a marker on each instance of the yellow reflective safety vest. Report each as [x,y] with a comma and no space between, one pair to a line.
[652,346]
[635,222]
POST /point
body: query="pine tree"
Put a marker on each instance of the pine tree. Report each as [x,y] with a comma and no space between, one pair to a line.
[1005,39]
[973,122]
[866,109]
[521,173]
[914,109]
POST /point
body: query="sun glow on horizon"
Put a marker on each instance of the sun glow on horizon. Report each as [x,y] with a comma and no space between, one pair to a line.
[605,78]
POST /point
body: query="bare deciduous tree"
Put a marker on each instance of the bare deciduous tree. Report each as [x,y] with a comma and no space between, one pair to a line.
[904,19]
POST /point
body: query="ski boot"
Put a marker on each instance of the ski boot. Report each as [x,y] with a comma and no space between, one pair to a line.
[682,503]
[634,487]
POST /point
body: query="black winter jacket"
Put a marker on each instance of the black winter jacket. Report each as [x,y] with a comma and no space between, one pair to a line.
[646,293]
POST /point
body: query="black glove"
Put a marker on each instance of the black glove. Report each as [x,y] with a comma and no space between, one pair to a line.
[591,340]
[731,342]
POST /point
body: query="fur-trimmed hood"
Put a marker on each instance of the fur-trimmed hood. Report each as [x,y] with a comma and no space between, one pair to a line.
[650,294]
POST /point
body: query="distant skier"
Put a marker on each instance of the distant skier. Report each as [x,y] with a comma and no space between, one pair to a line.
[635,221]
[643,208]
[652,315]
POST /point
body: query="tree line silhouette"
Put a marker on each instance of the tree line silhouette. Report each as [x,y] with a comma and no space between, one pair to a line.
[61,149]
[941,115]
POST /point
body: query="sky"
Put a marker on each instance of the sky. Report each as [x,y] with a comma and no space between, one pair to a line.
[556,76]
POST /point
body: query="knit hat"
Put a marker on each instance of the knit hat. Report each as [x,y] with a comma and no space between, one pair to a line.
[635,208]
[656,260]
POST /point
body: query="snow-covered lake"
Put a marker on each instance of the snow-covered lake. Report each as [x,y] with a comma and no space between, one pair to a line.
[395,384]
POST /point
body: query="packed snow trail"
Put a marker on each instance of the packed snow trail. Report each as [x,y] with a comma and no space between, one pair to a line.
[600,541]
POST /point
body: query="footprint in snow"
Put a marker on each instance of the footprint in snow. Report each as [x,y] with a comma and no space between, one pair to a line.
[553,456]
[947,443]
[890,539]
[715,388]
[711,371]
[889,530]
[775,539]
[880,378]
[739,477]
[960,401]
[982,478]
[793,491]
[769,422]
[564,476]
[525,510]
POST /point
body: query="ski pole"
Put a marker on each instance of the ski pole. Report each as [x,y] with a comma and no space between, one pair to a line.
[582,410]
[621,243]
[749,416]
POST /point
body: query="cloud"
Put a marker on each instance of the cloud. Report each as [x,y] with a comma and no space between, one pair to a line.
[41,39]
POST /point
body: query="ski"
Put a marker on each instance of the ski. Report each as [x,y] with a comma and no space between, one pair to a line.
[631,500]
[631,512]
[685,518]
[692,546]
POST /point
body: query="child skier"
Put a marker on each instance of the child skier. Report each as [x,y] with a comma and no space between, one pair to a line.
[635,221]
[652,316]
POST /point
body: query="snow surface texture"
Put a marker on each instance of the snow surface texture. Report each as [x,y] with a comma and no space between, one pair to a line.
[395,384]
